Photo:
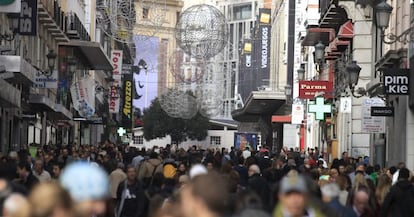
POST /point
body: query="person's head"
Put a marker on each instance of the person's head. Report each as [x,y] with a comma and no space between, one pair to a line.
[23,169]
[89,187]
[293,195]
[57,169]
[50,200]
[401,165]
[197,200]
[341,169]
[334,173]
[182,168]
[210,166]
[404,174]
[253,170]
[360,167]
[16,205]
[360,199]
[38,166]
[131,173]
[330,192]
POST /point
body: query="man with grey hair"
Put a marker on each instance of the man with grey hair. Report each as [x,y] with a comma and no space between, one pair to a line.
[330,196]
[40,173]
[258,184]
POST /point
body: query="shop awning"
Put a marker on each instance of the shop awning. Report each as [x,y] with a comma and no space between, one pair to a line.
[41,103]
[346,31]
[281,118]
[60,113]
[93,52]
[10,97]
[24,72]
[316,34]
[258,104]
[391,58]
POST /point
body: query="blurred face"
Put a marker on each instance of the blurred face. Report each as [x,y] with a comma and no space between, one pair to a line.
[341,169]
[22,172]
[182,168]
[361,201]
[334,172]
[294,203]
[360,168]
[56,171]
[91,208]
[38,167]
[131,174]
[210,166]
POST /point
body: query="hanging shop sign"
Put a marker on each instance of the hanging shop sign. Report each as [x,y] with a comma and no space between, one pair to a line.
[369,123]
[396,81]
[297,113]
[48,82]
[127,102]
[345,105]
[311,89]
[382,111]
[319,108]
[114,99]
[28,18]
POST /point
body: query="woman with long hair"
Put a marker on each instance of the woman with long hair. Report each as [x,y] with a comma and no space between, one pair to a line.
[383,187]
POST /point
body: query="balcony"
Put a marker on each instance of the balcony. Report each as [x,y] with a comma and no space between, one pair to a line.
[332,15]
[75,29]
[52,17]
[23,72]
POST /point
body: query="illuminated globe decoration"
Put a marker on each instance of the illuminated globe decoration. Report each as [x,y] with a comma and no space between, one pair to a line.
[178,104]
[201,31]
[186,69]
[150,17]
[121,19]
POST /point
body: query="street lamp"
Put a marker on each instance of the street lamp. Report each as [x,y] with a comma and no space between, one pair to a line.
[71,62]
[51,58]
[382,14]
[353,70]
[301,73]
[319,55]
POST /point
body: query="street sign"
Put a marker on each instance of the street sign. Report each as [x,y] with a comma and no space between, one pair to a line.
[320,108]
[382,111]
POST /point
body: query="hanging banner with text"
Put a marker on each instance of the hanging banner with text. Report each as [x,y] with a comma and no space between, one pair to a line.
[298,113]
[127,102]
[28,18]
[114,98]
[311,89]
[396,81]
[369,123]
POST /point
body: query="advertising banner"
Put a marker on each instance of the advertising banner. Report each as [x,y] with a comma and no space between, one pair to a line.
[146,82]
[243,140]
[114,98]
[48,82]
[310,89]
[247,74]
[127,112]
[261,48]
[28,18]
[79,92]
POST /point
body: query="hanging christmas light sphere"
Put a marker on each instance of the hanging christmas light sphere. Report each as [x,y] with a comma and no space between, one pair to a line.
[201,31]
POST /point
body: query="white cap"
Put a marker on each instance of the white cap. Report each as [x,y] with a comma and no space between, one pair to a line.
[197,170]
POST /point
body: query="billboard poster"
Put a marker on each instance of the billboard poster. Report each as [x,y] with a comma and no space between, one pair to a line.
[127,101]
[114,99]
[243,140]
[146,80]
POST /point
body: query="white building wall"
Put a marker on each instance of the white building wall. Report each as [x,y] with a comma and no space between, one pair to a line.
[227,140]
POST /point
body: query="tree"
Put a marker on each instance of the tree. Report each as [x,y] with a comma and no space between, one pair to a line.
[158,124]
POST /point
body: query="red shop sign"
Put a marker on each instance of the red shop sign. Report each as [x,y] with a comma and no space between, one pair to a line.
[310,89]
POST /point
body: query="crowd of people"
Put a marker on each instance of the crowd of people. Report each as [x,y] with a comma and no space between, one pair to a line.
[122,181]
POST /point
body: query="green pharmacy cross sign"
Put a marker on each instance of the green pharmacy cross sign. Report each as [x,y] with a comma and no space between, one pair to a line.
[121,131]
[320,108]
[6,2]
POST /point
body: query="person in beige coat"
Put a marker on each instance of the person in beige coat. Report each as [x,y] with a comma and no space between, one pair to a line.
[116,177]
[148,168]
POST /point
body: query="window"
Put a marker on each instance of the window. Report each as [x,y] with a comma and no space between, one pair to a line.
[138,140]
[215,140]
[242,12]
[145,13]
